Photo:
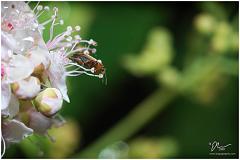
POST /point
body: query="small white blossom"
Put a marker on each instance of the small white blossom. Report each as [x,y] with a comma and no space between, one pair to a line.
[35,71]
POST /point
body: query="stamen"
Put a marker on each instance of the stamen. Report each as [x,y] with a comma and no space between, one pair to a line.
[39,8]
[59,38]
[77,28]
[69,28]
[92,42]
[86,52]
[100,75]
[77,37]
[46,8]
[93,70]
[40,14]
[80,50]
[75,64]
[69,38]
[77,73]
[52,26]
[47,21]
[75,44]
[36,6]
[61,22]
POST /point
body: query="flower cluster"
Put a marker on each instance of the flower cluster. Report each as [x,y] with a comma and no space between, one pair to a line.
[33,73]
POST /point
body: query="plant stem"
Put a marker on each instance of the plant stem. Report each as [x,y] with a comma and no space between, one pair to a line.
[134,121]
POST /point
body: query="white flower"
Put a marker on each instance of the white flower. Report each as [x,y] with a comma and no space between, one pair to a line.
[26,39]
[18,29]
[60,48]
[18,68]
[28,64]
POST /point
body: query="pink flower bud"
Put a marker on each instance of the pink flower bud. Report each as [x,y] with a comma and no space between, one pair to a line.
[49,101]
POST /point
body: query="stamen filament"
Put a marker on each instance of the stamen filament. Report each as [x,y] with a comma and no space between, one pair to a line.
[47,21]
[40,14]
[36,6]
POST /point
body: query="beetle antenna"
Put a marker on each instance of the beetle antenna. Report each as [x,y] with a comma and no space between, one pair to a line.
[105,76]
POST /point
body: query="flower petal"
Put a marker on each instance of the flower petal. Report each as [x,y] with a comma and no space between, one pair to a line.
[18,68]
[57,76]
[61,85]
[39,56]
[13,107]
[6,53]
[14,131]
[39,123]
[8,41]
[6,95]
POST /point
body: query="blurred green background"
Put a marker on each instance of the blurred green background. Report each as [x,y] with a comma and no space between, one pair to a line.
[172,72]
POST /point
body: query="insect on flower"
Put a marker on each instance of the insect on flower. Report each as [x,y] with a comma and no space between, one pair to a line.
[34,72]
[89,62]
[84,59]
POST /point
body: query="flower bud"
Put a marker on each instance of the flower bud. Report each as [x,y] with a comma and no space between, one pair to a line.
[27,88]
[49,101]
